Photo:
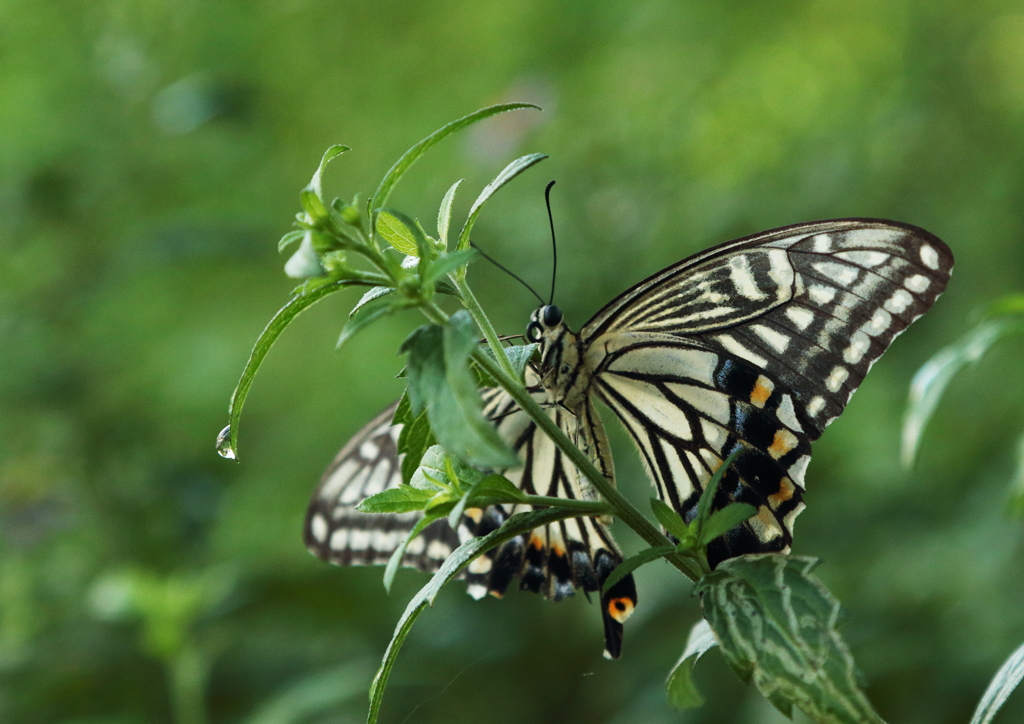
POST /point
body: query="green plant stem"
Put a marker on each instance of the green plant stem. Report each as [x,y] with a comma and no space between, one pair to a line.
[473,307]
[589,507]
[622,509]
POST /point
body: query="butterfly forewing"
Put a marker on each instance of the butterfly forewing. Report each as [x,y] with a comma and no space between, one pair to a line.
[336,532]
[758,343]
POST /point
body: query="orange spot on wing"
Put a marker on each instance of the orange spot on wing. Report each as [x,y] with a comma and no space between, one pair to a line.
[762,391]
[474,514]
[786,490]
[536,542]
[620,608]
[784,442]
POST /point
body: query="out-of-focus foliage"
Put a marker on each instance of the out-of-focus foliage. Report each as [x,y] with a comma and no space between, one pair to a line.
[150,158]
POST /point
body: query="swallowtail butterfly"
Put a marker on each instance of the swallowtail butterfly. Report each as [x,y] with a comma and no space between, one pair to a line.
[755,344]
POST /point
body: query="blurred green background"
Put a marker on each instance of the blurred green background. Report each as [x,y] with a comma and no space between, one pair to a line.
[151,154]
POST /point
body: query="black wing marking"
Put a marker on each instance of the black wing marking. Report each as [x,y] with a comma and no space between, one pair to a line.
[336,532]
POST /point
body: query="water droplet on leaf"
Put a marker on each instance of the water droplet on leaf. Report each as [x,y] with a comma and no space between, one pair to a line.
[224,448]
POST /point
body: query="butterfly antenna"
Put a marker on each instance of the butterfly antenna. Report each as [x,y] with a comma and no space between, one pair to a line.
[554,246]
[486,256]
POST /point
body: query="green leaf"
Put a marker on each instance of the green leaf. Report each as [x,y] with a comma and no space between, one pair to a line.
[724,520]
[396,233]
[365,316]
[403,412]
[290,238]
[460,558]
[497,489]
[312,197]
[455,515]
[330,154]
[424,248]
[227,441]
[403,499]
[934,376]
[776,626]
[447,263]
[371,295]
[395,561]
[633,562]
[669,519]
[520,356]
[434,466]
[440,382]
[707,496]
[999,689]
[507,174]
[444,214]
[395,173]
[682,692]
[414,440]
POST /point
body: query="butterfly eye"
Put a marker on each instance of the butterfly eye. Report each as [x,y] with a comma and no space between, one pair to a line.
[552,315]
[533,332]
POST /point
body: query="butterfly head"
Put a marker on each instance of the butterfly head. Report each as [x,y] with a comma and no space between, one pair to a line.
[560,359]
[545,323]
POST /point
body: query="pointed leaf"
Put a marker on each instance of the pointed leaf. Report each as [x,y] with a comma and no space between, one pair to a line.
[669,519]
[290,238]
[707,496]
[999,689]
[372,294]
[498,486]
[447,263]
[682,692]
[633,562]
[228,444]
[724,520]
[444,214]
[776,626]
[315,184]
[440,382]
[520,356]
[931,380]
[414,440]
[423,249]
[403,499]
[395,562]
[507,174]
[395,173]
[364,317]
[397,234]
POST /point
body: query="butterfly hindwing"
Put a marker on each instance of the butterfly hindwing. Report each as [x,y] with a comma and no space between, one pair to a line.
[554,560]
[574,553]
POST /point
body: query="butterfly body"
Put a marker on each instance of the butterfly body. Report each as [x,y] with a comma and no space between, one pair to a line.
[753,345]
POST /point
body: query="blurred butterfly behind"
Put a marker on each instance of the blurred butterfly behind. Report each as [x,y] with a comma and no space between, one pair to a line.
[756,344]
